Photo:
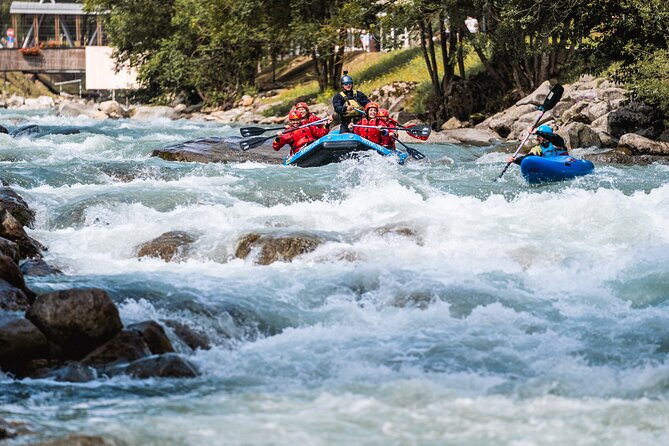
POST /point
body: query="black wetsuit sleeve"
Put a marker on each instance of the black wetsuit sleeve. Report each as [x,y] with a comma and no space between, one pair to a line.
[520,159]
[363,99]
[339,104]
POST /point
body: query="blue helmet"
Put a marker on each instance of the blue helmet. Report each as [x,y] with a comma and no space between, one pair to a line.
[346,79]
[545,129]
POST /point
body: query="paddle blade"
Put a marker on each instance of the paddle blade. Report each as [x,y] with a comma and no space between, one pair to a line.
[253,142]
[553,97]
[421,131]
[415,154]
[252,131]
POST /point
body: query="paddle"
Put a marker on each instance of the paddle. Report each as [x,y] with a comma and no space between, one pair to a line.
[252,143]
[254,131]
[421,132]
[551,100]
[415,154]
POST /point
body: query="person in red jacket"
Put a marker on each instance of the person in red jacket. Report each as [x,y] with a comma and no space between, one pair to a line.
[370,119]
[387,139]
[294,136]
[308,118]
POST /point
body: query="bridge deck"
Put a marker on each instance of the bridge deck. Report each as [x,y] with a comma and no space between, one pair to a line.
[61,60]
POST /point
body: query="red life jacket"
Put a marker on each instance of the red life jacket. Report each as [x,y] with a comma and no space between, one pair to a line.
[388,140]
[374,135]
[296,139]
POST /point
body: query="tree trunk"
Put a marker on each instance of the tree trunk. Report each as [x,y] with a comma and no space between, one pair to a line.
[433,76]
[461,58]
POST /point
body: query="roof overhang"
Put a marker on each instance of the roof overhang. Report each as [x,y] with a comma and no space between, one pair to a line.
[32,8]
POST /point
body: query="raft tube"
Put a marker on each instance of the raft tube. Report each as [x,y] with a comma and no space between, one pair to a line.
[336,147]
[537,169]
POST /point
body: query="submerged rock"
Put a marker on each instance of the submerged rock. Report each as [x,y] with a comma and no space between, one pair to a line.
[218,150]
[402,231]
[169,365]
[38,267]
[276,247]
[169,246]
[77,320]
[193,338]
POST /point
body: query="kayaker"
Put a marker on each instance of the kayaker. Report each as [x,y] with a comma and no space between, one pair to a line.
[550,144]
[349,103]
[308,117]
[370,120]
[294,136]
[387,140]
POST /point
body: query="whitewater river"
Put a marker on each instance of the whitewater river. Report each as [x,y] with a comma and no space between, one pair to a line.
[513,315]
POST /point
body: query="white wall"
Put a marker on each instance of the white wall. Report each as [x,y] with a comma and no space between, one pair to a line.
[101,74]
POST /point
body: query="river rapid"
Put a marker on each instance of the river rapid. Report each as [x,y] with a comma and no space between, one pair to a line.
[506,314]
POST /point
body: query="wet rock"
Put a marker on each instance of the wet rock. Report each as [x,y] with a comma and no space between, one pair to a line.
[218,150]
[10,272]
[73,372]
[472,136]
[11,229]
[169,246]
[78,319]
[126,346]
[620,157]
[275,247]
[38,267]
[195,339]
[638,145]
[3,129]
[113,109]
[169,365]
[10,249]
[74,109]
[79,440]
[20,342]
[636,118]
[14,204]
[154,335]
[402,231]
[147,113]
[414,299]
[578,134]
[12,298]
[11,429]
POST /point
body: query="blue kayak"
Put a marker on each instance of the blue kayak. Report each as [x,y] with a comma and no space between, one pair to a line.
[537,169]
[336,147]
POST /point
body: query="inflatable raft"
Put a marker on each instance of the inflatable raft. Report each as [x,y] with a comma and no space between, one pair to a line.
[336,147]
[537,169]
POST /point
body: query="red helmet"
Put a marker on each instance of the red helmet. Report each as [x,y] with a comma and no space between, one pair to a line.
[383,113]
[303,105]
[372,105]
[294,115]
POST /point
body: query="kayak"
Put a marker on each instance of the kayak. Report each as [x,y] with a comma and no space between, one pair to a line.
[336,147]
[537,169]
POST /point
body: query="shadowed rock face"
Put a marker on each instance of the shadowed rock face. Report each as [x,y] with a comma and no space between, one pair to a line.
[276,247]
[219,150]
[169,365]
[38,267]
[20,341]
[11,229]
[12,202]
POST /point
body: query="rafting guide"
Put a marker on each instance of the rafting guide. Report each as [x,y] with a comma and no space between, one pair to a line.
[349,103]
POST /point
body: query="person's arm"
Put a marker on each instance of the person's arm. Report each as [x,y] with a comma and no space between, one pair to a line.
[362,98]
[339,104]
[281,140]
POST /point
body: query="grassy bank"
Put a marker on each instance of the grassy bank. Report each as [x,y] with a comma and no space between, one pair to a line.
[370,71]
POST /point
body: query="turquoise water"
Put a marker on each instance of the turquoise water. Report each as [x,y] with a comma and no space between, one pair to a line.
[515,314]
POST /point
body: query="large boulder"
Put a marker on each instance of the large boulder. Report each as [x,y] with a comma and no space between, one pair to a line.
[77,319]
[113,109]
[477,137]
[169,246]
[537,97]
[269,248]
[638,145]
[154,336]
[147,113]
[503,121]
[218,150]
[636,118]
[578,134]
[10,273]
[169,365]
[20,342]
[12,202]
[75,109]
[12,229]
[126,346]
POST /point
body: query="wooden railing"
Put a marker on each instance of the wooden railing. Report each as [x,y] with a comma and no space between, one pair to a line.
[56,60]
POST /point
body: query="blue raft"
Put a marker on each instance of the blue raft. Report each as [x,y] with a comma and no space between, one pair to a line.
[336,147]
[537,169]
